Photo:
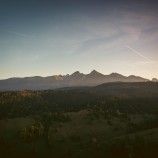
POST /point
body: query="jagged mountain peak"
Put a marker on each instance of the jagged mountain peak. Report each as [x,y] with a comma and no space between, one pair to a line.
[94,72]
[114,74]
[58,77]
[75,73]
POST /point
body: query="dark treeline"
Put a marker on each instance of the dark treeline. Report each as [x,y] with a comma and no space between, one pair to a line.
[27,103]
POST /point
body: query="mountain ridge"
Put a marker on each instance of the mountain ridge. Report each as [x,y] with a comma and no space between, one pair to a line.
[94,78]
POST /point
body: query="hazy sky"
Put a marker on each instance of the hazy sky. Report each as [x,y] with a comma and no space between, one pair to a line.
[48,37]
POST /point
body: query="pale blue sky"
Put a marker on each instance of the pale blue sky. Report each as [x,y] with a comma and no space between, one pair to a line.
[48,38]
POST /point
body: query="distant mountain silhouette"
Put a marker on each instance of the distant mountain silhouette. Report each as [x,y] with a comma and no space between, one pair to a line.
[59,81]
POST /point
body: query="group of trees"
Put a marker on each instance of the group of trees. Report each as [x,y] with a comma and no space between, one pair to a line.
[44,126]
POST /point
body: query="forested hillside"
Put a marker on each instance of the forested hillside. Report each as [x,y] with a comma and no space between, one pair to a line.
[77,123]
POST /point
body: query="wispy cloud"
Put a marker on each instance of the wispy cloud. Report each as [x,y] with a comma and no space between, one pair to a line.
[100,44]
[16,33]
[122,28]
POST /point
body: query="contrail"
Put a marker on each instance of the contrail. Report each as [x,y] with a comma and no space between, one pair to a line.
[141,55]
[138,53]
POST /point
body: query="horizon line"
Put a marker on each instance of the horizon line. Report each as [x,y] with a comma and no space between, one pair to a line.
[20,77]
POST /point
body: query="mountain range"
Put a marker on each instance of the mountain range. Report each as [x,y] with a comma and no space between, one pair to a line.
[76,79]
